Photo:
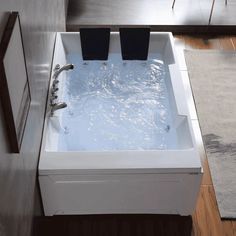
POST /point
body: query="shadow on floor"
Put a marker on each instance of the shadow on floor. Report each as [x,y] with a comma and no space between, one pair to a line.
[113,225]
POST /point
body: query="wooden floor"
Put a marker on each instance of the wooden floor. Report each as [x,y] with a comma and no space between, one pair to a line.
[205,221]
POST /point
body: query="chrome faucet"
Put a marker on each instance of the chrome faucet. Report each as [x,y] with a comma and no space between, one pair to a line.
[57,106]
[59,69]
[53,97]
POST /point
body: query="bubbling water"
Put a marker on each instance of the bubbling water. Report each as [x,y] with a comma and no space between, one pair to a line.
[115,105]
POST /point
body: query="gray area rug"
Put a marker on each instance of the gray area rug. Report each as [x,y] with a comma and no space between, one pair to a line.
[213,79]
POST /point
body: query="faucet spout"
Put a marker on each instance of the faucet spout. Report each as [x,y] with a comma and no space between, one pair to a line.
[57,106]
[60,69]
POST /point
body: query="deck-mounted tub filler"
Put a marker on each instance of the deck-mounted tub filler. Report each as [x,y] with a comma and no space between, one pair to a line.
[125,141]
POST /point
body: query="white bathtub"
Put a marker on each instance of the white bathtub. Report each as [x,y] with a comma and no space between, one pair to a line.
[147,180]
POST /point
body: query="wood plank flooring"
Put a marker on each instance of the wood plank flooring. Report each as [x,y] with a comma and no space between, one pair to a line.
[205,221]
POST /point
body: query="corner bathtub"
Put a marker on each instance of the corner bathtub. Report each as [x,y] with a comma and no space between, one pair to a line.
[80,176]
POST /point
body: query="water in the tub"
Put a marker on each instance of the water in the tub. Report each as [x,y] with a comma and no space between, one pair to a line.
[115,105]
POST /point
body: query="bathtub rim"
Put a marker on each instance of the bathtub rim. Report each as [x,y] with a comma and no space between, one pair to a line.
[185,160]
[158,161]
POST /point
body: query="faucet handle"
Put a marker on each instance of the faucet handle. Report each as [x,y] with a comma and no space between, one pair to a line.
[54,96]
[55,83]
[54,90]
[57,67]
[53,99]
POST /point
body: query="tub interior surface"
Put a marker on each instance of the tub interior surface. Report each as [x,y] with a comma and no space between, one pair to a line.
[116,104]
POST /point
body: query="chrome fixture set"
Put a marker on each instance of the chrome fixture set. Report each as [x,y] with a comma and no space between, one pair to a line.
[54,89]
